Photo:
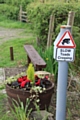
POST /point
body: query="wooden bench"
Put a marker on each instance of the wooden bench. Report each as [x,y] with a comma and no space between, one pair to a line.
[34,57]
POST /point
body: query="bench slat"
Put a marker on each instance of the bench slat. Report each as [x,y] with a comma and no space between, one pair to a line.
[34,56]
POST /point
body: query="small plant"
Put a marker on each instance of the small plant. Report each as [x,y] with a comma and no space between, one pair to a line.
[19,111]
[11,79]
[31,81]
[30,73]
[69,112]
[23,113]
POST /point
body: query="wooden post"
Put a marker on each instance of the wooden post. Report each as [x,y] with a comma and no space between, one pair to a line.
[50,33]
[42,1]
[11,53]
[70,21]
[20,14]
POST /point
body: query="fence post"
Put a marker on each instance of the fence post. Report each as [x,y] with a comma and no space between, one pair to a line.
[42,1]
[71,16]
[11,53]
[20,13]
[50,33]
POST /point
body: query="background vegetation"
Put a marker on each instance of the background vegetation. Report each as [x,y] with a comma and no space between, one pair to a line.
[38,12]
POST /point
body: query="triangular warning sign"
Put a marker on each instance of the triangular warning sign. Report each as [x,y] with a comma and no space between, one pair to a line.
[66,41]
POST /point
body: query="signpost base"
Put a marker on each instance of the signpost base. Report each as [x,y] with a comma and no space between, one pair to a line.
[62,90]
[64,52]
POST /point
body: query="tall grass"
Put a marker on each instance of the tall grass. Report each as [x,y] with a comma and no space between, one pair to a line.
[47,55]
[19,111]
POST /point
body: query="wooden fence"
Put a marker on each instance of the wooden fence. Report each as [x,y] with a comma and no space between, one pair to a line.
[70,22]
[23,15]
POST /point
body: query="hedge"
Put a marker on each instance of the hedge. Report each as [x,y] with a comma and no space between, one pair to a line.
[39,15]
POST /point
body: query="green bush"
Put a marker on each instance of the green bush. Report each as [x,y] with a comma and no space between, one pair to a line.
[10,8]
[39,15]
[18,3]
[9,11]
[2,1]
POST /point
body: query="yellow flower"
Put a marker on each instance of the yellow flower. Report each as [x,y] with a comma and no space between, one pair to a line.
[47,59]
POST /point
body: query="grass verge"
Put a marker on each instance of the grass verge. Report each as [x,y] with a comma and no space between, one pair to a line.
[18,51]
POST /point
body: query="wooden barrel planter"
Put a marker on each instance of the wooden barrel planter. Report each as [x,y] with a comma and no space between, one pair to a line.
[45,97]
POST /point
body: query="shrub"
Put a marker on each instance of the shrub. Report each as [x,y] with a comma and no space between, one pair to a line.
[39,15]
[9,11]
[2,1]
[10,8]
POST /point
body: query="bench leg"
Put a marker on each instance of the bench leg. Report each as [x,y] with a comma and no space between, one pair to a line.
[29,61]
[38,68]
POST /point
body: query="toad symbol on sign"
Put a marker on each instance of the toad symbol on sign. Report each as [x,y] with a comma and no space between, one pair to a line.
[66,40]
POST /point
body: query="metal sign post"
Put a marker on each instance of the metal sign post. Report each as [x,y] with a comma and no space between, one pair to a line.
[64,48]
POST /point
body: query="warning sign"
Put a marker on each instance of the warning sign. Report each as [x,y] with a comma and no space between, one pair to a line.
[65,54]
[66,41]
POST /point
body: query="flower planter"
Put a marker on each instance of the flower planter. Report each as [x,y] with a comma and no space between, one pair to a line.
[33,85]
[45,97]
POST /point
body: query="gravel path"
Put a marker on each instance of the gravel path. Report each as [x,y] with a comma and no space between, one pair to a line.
[2,75]
[9,34]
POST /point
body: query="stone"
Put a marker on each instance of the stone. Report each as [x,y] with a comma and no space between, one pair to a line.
[39,115]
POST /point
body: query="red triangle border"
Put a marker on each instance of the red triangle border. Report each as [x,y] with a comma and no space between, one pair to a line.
[74,45]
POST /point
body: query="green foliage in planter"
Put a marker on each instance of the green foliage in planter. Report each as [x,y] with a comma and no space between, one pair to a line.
[30,72]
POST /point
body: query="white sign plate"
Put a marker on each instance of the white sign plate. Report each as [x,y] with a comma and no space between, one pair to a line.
[65,54]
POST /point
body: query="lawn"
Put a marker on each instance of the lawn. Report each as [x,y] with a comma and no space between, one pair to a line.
[25,36]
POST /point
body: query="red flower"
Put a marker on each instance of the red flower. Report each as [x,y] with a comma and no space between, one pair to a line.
[21,79]
[38,82]
[47,77]
[24,83]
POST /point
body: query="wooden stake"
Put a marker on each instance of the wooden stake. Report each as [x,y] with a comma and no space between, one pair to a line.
[11,53]
[50,33]
[71,16]
[20,13]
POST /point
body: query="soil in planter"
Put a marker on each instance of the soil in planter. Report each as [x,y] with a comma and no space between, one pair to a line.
[25,84]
